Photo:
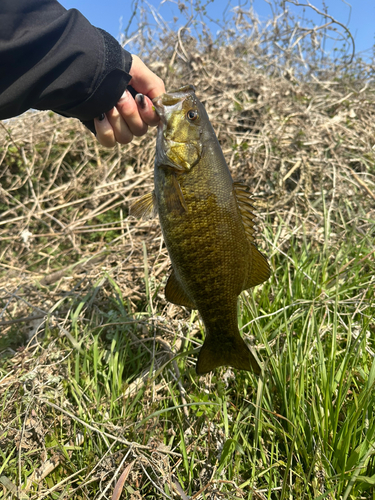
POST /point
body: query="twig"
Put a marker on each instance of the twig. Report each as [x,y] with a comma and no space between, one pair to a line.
[104,434]
[362,183]
[21,320]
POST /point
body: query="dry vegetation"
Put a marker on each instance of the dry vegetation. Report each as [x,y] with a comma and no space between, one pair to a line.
[69,251]
[65,200]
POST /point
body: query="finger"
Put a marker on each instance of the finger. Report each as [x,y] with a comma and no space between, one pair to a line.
[104,132]
[122,133]
[144,80]
[129,111]
[146,110]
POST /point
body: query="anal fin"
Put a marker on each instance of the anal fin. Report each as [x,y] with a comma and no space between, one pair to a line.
[176,294]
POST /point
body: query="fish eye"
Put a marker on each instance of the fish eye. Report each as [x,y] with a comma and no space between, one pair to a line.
[192,114]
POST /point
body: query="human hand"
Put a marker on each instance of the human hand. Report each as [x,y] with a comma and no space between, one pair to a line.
[131,117]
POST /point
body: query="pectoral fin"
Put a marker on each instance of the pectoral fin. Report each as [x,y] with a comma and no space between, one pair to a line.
[176,294]
[258,269]
[145,206]
[174,197]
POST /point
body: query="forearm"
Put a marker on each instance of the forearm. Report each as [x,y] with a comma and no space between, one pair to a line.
[51,58]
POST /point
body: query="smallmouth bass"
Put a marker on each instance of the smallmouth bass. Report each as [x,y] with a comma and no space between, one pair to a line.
[208,228]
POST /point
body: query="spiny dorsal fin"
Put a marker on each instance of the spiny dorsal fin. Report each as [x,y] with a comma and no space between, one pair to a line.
[258,268]
[176,294]
[145,206]
[245,208]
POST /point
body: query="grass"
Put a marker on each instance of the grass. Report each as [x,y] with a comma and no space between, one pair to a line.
[304,430]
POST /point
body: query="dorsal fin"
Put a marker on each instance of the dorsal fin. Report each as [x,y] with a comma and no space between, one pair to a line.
[176,294]
[246,209]
[145,206]
[258,269]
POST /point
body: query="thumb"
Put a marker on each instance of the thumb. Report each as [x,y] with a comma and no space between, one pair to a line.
[144,81]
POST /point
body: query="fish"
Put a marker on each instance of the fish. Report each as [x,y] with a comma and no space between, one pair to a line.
[207,221]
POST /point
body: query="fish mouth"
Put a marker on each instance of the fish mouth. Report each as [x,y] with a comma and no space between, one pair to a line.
[164,102]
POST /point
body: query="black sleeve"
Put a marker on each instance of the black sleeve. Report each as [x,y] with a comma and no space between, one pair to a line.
[53,58]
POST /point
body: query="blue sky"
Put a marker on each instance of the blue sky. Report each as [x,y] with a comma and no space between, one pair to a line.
[113,15]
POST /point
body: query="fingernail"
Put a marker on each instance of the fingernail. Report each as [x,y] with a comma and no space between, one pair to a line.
[101,117]
[141,101]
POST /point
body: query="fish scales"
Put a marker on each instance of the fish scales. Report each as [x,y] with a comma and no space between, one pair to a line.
[203,223]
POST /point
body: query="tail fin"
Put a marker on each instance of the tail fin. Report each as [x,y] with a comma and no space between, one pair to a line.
[233,352]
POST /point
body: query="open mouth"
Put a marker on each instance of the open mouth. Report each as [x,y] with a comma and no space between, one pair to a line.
[159,108]
[166,103]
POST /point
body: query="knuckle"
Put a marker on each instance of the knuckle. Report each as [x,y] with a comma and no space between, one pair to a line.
[125,139]
[107,139]
[126,106]
[141,131]
[107,144]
